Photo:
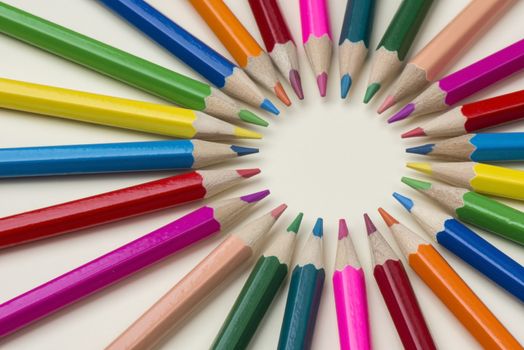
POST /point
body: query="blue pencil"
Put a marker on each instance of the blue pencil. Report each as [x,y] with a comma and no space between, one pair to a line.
[115,157]
[499,147]
[468,246]
[210,64]
[354,41]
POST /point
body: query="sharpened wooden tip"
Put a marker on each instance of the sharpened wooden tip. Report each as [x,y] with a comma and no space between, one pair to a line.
[342,229]
[247,173]
[295,225]
[388,219]
[278,210]
[370,227]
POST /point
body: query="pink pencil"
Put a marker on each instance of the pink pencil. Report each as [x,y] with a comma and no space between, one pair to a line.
[121,262]
[465,82]
[316,37]
[349,287]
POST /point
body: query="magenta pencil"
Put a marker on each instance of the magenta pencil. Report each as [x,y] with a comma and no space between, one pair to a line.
[349,286]
[121,262]
[317,40]
[465,82]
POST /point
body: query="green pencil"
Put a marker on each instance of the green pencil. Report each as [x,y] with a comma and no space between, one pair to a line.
[258,292]
[475,209]
[120,65]
[395,44]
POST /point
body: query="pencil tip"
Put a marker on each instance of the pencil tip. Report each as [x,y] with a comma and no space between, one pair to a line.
[371,91]
[417,132]
[345,85]
[242,133]
[370,227]
[318,230]
[403,113]
[422,167]
[247,173]
[269,106]
[243,151]
[278,210]
[416,184]
[295,225]
[388,103]
[342,229]
[422,149]
[322,84]
[404,201]
[388,219]
[281,94]
[296,83]
[255,197]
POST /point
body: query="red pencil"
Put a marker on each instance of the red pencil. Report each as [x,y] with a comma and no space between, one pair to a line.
[396,289]
[278,40]
[474,116]
[116,205]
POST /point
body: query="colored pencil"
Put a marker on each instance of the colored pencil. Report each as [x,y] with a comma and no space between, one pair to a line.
[278,41]
[474,209]
[192,51]
[117,205]
[115,157]
[353,45]
[135,71]
[473,116]
[499,147]
[241,45]
[258,292]
[395,44]
[116,112]
[317,40]
[468,246]
[450,288]
[349,286]
[465,82]
[398,294]
[305,290]
[446,48]
[169,311]
[121,263]
[482,178]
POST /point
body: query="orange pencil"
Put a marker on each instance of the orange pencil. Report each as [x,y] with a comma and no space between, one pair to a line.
[450,288]
[241,45]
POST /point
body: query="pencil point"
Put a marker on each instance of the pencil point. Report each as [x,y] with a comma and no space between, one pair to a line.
[388,219]
[246,134]
[255,197]
[318,230]
[403,113]
[423,149]
[404,201]
[345,85]
[322,84]
[388,103]
[342,229]
[416,184]
[247,173]
[243,151]
[371,91]
[296,83]
[278,210]
[422,167]
[370,227]
[417,132]
[269,106]
[281,94]
[295,225]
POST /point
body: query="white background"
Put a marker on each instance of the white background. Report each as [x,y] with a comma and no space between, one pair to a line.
[326,157]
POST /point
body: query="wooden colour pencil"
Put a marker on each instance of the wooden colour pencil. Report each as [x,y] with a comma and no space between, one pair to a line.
[349,286]
[258,292]
[395,44]
[446,48]
[497,147]
[475,209]
[117,205]
[241,45]
[305,291]
[120,65]
[450,288]
[278,41]
[398,294]
[317,40]
[465,82]
[116,112]
[473,116]
[467,245]
[170,310]
[192,51]
[115,157]
[353,45]
[121,263]
[482,178]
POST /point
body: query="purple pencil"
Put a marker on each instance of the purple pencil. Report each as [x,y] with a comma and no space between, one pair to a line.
[122,262]
[465,82]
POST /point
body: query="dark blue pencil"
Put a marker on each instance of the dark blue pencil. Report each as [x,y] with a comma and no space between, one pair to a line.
[468,246]
[210,64]
[115,157]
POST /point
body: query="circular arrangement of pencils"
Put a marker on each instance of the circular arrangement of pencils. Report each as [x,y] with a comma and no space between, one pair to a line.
[208,118]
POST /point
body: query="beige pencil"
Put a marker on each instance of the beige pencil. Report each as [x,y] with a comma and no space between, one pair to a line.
[176,304]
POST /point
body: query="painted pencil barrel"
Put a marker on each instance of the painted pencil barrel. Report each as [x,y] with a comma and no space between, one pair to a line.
[349,287]
[498,181]
[498,147]
[251,305]
[314,16]
[305,290]
[358,21]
